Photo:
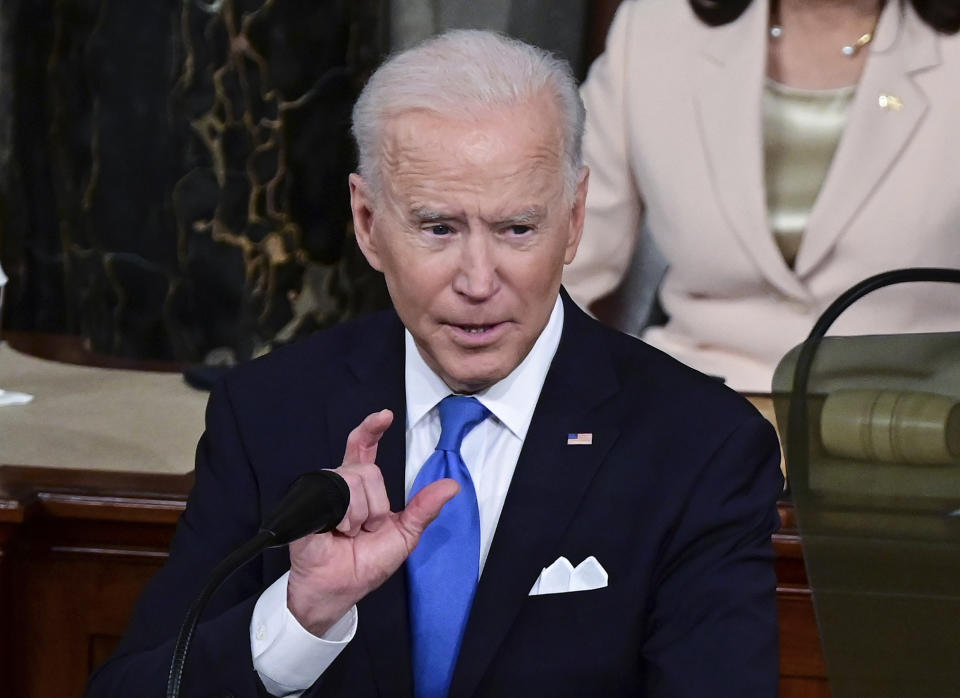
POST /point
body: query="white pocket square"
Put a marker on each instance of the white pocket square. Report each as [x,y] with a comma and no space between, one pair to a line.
[561,577]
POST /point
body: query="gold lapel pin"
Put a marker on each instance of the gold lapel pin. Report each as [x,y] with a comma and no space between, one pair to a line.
[890,102]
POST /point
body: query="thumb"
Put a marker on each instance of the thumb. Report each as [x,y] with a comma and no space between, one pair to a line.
[425,507]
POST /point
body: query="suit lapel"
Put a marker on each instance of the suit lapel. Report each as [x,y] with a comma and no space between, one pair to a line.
[874,135]
[375,382]
[730,74]
[548,484]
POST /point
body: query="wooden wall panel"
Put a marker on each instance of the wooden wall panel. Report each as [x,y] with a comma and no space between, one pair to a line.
[76,549]
[70,612]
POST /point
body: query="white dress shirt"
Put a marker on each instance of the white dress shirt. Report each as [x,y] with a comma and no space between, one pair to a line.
[288,658]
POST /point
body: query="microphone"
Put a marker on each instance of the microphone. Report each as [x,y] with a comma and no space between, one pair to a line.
[315,503]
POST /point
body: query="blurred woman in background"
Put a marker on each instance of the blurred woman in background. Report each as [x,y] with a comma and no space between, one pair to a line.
[778,152]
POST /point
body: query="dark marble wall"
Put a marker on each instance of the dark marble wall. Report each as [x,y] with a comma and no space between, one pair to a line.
[173,173]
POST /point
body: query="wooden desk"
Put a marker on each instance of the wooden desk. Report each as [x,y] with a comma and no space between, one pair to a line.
[77,546]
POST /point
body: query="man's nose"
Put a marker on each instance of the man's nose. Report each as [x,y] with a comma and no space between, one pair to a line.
[477,275]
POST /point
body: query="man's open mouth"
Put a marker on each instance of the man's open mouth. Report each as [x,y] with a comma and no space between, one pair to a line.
[475,329]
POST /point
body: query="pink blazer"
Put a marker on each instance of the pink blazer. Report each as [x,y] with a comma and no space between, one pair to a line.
[674,140]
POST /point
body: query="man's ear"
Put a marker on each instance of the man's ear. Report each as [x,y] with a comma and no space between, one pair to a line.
[361,203]
[577,215]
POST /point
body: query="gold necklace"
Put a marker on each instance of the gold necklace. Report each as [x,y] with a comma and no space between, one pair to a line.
[848,50]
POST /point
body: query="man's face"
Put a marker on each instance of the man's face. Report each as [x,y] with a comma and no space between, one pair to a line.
[471,231]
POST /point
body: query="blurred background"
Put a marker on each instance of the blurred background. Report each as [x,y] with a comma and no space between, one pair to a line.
[173,173]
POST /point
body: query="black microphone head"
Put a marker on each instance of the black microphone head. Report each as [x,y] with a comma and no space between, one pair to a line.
[315,503]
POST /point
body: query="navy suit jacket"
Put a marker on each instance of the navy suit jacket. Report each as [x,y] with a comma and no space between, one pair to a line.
[675,497]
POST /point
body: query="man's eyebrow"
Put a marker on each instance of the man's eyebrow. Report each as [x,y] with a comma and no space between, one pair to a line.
[533,214]
[428,215]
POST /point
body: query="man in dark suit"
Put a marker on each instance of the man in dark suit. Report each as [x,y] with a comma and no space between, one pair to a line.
[616,506]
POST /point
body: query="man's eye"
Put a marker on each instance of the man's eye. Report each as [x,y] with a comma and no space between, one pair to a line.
[439,229]
[519,230]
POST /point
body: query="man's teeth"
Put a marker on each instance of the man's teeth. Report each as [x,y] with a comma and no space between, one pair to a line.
[477,330]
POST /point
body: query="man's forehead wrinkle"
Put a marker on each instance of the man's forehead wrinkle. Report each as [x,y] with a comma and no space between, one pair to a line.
[507,214]
[425,167]
[407,133]
[388,160]
[504,169]
[403,147]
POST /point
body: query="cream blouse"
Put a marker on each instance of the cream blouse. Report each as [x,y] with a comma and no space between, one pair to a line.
[801,130]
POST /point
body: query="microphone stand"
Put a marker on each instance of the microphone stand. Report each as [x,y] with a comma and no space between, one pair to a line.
[234,561]
[315,503]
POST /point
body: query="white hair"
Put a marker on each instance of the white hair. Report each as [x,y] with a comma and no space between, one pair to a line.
[462,72]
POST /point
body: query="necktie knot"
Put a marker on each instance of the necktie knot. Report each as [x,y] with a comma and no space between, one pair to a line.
[458,415]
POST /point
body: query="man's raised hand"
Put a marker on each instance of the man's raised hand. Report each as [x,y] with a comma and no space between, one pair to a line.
[330,572]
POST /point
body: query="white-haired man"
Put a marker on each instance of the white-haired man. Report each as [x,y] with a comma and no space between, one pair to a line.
[493,439]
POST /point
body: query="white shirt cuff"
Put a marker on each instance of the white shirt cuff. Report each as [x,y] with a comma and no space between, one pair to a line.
[288,658]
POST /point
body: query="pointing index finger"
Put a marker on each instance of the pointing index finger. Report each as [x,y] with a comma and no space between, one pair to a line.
[363,440]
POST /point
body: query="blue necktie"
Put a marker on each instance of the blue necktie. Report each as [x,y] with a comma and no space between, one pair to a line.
[444,567]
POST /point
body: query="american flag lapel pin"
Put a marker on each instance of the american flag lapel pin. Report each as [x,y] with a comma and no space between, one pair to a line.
[584,439]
